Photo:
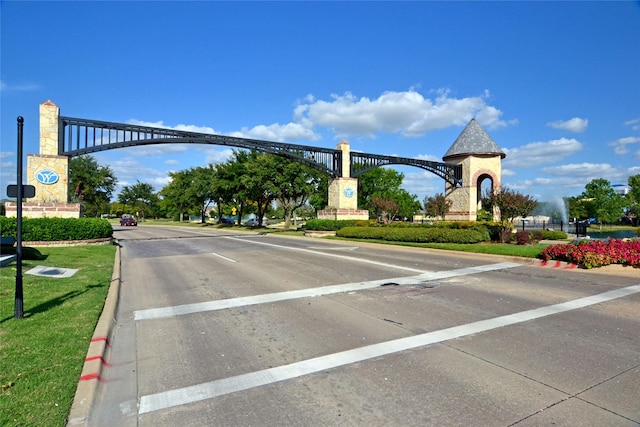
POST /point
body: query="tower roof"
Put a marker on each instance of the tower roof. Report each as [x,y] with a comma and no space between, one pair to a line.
[473,140]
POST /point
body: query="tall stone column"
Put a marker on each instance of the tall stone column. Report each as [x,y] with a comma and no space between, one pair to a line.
[48,172]
[343,192]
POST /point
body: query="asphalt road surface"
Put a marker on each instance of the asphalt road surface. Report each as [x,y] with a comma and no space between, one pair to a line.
[224,328]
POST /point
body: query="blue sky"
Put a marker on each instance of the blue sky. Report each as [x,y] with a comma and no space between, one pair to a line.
[555,84]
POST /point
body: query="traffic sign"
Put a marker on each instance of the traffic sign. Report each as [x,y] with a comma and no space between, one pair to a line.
[28,191]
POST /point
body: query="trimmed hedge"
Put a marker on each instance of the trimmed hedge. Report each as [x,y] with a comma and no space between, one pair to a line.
[415,234]
[332,225]
[553,235]
[57,229]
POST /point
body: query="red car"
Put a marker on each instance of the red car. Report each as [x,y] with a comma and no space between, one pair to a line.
[129,221]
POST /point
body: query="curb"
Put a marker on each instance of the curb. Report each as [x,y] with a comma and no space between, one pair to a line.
[96,360]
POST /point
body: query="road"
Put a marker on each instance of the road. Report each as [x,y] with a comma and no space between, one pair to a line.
[227,328]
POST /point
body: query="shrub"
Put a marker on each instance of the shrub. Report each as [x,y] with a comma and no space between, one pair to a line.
[54,229]
[495,230]
[523,237]
[331,224]
[553,235]
[506,235]
[415,234]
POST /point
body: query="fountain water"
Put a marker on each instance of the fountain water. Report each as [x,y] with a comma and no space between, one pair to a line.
[559,204]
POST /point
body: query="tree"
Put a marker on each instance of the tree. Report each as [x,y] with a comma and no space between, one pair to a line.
[177,197]
[139,197]
[601,201]
[293,184]
[91,185]
[202,189]
[228,186]
[257,182]
[437,206]
[320,198]
[377,182]
[511,204]
[633,197]
[386,208]
[385,183]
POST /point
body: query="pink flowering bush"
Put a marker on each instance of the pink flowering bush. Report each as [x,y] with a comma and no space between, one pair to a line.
[595,253]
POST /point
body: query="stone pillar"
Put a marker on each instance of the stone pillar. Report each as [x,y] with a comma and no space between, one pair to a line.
[48,173]
[343,192]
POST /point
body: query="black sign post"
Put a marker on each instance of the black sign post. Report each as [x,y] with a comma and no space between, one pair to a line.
[18,310]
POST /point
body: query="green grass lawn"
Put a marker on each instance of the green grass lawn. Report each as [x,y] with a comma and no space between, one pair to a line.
[42,354]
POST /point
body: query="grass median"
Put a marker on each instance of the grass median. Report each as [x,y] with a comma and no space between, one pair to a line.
[42,354]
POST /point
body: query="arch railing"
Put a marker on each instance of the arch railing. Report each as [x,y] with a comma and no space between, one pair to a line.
[83,136]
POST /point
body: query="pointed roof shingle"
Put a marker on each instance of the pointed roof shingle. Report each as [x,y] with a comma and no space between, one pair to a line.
[473,140]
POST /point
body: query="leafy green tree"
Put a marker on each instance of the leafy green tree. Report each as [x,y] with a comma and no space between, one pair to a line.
[228,186]
[602,202]
[408,203]
[258,182]
[511,203]
[202,189]
[385,183]
[633,196]
[377,182]
[91,185]
[177,195]
[293,183]
[437,206]
[140,197]
[320,198]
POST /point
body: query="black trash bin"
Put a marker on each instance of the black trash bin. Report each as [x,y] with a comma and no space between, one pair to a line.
[581,229]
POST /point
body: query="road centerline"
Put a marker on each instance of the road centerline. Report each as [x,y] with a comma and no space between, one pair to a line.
[212,389]
[331,255]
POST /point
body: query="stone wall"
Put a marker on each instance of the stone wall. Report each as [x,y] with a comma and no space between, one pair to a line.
[339,214]
[44,210]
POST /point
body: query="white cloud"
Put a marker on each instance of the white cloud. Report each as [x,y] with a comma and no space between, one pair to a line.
[154,150]
[408,113]
[214,155]
[428,157]
[587,171]
[620,145]
[160,124]
[278,132]
[575,124]
[537,153]
[423,184]
[25,87]
[635,124]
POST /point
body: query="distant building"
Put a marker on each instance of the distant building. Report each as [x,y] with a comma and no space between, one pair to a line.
[621,189]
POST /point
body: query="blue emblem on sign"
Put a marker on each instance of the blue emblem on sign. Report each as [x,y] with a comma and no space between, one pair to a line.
[47,177]
[348,192]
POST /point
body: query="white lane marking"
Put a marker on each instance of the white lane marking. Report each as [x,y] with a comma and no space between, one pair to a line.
[347,258]
[155,313]
[223,257]
[212,389]
[334,248]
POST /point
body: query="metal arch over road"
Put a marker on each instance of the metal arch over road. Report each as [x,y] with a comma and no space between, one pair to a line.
[362,162]
[84,136]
